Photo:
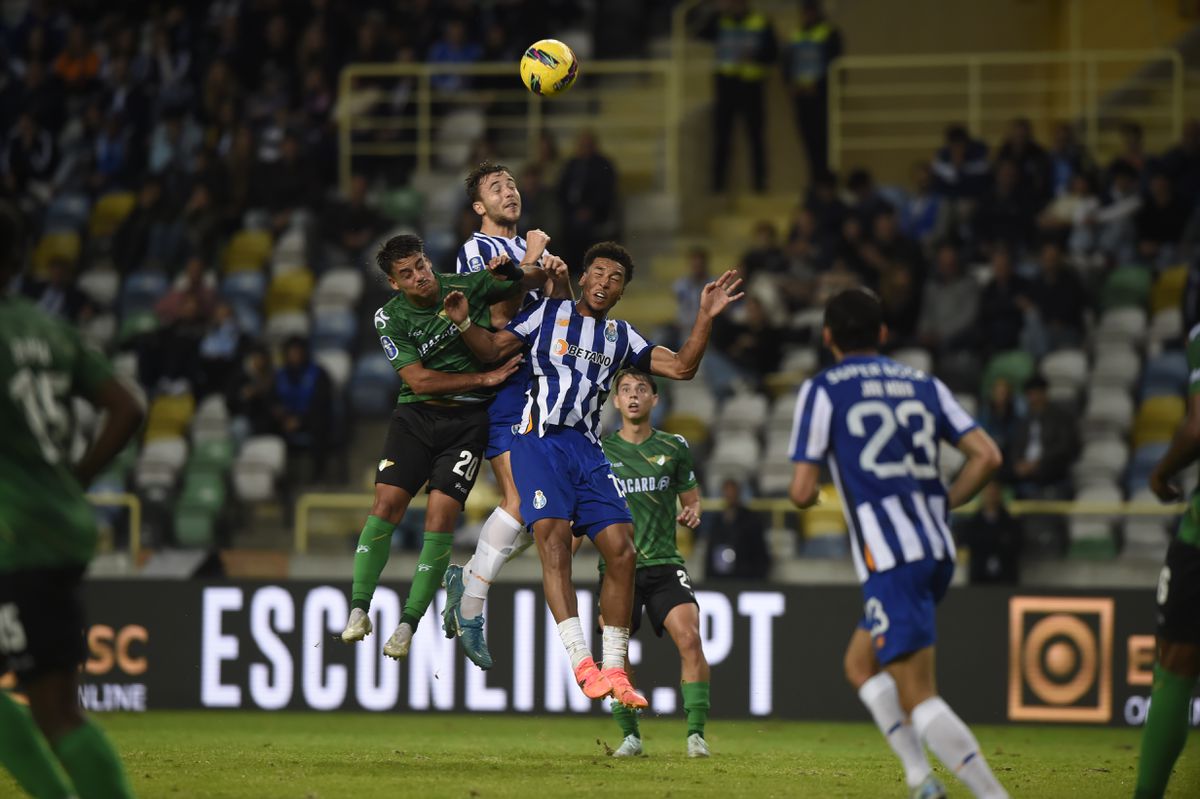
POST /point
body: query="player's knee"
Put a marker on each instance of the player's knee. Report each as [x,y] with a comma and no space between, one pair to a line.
[623,557]
[857,670]
[388,508]
[688,642]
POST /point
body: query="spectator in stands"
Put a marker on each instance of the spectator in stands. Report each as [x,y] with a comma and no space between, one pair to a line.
[687,291]
[1030,159]
[350,224]
[745,349]
[151,236]
[852,250]
[827,208]
[1068,217]
[949,305]
[220,350]
[1045,444]
[805,246]
[745,50]
[1006,213]
[993,537]
[58,295]
[285,186]
[1160,221]
[112,155]
[169,360]
[202,222]
[173,145]
[1060,299]
[900,294]
[888,247]
[815,44]
[77,65]
[304,404]
[251,397]
[737,540]
[866,202]
[192,294]
[1182,164]
[765,256]
[1068,158]
[921,215]
[999,415]
[453,48]
[538,207]
[1132,152]
[587,196]
[960,169]
[41,97]
[837,278]
[126,98]
[1003,306]
[30,158]
[1113,222]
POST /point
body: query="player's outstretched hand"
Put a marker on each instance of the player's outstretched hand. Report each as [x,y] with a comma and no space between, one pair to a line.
[717,295]
[1164,489]
[536,241]
[688,518]
[555,267]
[456,305]
[501,373]
[498,261]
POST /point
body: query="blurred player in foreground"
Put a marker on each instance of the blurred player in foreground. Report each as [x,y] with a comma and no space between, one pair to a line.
[1178,599]
[654,468]
[47,538]
[567,488]
[877,424]
[495,198]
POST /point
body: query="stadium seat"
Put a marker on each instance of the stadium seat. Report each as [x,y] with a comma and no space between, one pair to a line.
[801,360]
[257,468]
[125,364]
[1091,536]
[743,412]
[735,455]
[1067,366]
[1122,326]
[100,285]
[402,205]
[373,385]
[1165,326]
[780,418]
[1168,289]
[282,326]
[950,460]
[212,455]
[136,324]
[691,427]
[969,403]
[1165,375]
[63,244]
[193,527]
[775,473]
[1108,412]
[333,329]
[291,252]
[1145,458]
[249,320]
[338,288]
[289,291]
[109,212]
[211,420]
[336,364]
[1102,461]
[244,288]
[1156,420]
[1145,538]
[916,357]
[248,251]
[141,290]
[169,416]
[1126,286]
[694,399]
[1016,366]
[68,212]
[159,463]
[1116,366]
[100,331]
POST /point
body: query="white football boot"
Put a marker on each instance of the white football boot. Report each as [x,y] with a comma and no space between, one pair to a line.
[697,746]
[630,747]
[399,642]
[358,626]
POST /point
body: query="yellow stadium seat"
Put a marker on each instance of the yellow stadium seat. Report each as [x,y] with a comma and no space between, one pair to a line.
[248,251]
[109,212]
[690,427]
[170,416]
[63,244]
[1157,419]
[825,518]
[289,291]
[1168,289]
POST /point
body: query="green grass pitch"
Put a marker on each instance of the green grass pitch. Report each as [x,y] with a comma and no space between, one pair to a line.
[321,756]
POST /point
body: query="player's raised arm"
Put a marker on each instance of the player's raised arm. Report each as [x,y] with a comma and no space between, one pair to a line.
[1185,448]
[488,347]
[983,458]
[430,381]
[714,298]
[558,284]
[123,414]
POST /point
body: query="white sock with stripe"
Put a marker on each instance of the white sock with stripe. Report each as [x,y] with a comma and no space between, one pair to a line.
[880,696]
[497,542]
[951,740]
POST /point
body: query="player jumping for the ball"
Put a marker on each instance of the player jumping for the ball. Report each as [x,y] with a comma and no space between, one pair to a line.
[877,424]
[440,426]
[564,481]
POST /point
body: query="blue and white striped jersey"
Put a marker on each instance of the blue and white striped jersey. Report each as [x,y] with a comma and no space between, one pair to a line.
[877,423]
[574,359]
[475,253]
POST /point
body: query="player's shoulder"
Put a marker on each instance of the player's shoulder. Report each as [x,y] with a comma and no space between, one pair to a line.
[474,254]
[671,440]
[391,312]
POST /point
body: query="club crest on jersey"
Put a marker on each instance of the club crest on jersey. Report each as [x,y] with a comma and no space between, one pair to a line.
[539,500]
[475,263]
[381,319]
[383,464]
[389,348]
[610,331]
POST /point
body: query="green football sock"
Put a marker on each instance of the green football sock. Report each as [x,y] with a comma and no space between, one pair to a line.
[93,764]
[27,756]
[374,545]
[626,718]
[431,567]
[695,702]
[1165,733]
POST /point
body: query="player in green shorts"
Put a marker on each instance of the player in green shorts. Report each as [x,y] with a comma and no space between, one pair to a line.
[1178,599]
[653,468]
[47,538]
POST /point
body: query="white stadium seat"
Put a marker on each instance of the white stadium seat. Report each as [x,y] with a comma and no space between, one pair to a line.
[743,412]
[1065,367]
[286,324]
[1117,365]
[338,288]
[258,466]
[1102,461]
[159,463]
[1108,411]
[916,357]
[101,285]
[1120,326]
[336,364]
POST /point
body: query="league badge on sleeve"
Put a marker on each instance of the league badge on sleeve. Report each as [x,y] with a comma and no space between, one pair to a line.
[475,264]
[389,349]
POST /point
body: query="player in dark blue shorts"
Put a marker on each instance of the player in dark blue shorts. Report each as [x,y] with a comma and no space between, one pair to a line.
[566,484]
[876,424]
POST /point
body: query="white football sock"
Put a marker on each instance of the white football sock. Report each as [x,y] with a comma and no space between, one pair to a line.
[497,541]
[950,739]
[616,646]
[881,698]
[571,633]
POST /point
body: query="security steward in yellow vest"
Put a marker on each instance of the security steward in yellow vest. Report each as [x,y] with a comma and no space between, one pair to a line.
[745,50]
[814,46]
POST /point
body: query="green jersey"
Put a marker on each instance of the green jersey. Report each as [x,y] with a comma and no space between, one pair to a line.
[652,475]
[1189,528]
[45,519]
[410,333]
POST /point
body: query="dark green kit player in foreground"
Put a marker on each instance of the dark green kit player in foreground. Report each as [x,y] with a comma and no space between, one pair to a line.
[654,468]
[1178,599]
[439,429]
[47,538]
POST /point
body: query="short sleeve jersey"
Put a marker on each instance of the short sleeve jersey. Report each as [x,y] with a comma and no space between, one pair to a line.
[45,518]
[410,333]
[1189,530]
[652,475]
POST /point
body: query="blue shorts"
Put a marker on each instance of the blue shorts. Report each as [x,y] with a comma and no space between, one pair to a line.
[898,606]
[504,414]
[563,475]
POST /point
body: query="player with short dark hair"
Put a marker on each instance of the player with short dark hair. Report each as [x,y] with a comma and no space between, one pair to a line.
[1178,662]
[440,426]
[566,486]
[876,423]
[654,470]
[494,197]
[48,537]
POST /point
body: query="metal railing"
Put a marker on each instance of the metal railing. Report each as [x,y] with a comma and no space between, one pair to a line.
[779,510]
[903,102]
[134,505]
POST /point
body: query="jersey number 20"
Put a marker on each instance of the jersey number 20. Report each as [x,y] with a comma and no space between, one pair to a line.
[911,415]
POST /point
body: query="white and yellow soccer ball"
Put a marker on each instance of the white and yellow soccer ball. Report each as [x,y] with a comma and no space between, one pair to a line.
[549,67]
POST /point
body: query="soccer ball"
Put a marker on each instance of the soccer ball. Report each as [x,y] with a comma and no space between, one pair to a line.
[549,67]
